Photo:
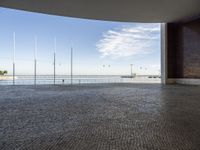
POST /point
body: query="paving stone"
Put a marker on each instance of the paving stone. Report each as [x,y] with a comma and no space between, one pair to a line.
[100,117]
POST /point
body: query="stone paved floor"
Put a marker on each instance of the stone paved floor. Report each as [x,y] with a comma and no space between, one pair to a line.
[100,117]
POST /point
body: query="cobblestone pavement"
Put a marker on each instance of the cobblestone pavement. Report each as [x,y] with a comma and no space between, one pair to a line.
[100,117]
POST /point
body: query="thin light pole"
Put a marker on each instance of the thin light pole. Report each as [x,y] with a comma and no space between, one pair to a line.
[14,58]
[35,61]
[71,66]
[131,69]
[54,74]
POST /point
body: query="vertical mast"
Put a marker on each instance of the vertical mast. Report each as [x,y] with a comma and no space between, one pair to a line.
[131,69]
[71,66]
[35,61]
[54,75]
[13,58]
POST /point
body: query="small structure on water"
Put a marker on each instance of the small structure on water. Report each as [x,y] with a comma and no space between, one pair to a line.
[129,76]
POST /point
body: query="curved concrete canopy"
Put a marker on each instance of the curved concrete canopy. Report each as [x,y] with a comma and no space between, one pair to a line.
[112,10]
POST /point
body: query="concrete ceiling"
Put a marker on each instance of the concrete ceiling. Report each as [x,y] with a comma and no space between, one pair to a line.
[112,10]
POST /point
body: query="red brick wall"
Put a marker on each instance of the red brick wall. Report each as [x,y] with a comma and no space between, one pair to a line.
[184,50]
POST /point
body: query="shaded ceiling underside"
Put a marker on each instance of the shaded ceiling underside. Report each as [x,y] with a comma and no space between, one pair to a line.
[112,10]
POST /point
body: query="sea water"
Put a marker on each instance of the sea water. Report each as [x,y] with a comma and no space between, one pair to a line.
[77,79]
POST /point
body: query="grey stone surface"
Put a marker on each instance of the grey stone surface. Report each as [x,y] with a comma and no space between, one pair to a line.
[100,117]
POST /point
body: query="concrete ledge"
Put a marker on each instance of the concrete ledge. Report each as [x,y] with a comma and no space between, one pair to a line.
[170,81]
[183,81]
[188,81]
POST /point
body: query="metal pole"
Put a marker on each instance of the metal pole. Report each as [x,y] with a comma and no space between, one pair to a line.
[131,69]
[35,61]
[35,75]
[54,76]
[14,58]
[71,66]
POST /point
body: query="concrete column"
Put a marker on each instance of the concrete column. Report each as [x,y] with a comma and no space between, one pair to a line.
[163,53]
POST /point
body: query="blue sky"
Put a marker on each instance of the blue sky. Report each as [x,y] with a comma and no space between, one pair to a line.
[114,45]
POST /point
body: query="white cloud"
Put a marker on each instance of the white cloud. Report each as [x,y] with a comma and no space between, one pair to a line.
[129,41]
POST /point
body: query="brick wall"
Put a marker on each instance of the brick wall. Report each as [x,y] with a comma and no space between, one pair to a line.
[184,50]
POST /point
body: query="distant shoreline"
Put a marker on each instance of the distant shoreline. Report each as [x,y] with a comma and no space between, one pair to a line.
[6,77]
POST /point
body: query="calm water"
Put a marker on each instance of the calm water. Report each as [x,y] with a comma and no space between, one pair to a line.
[77,79]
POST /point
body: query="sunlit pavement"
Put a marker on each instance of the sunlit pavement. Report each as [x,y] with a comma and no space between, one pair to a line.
[100,116]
